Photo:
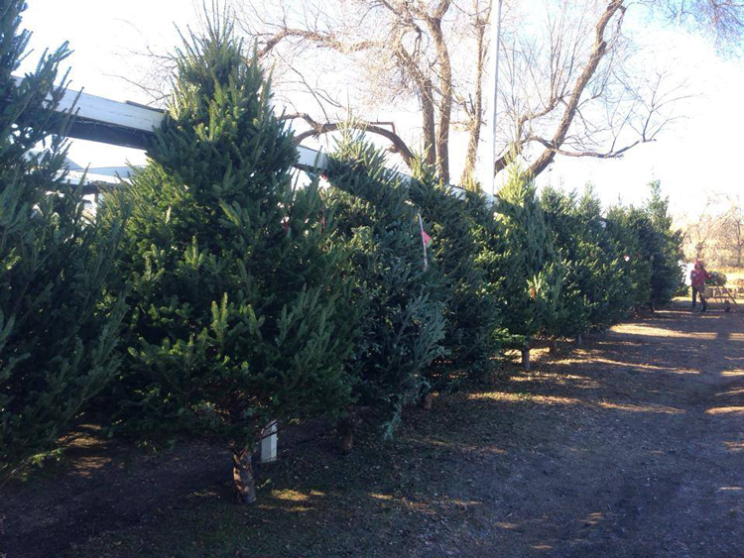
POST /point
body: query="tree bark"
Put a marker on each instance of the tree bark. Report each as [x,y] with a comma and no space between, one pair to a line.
[345,428]
[476,118]
[426,402]
[245,482]
[598,52]
[429,123]
[445,87]
[526,359]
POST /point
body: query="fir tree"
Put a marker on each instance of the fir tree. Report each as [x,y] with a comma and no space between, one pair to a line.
[403,324]
[665,250]
[594,281]
[604,279]
[629,227]
[470,309]
[234,275]
[532,272]
[55,347]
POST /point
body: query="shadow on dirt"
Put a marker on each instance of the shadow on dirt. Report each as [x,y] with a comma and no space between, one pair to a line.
[628,446]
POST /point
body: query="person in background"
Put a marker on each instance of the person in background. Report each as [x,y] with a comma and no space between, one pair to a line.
[698,276]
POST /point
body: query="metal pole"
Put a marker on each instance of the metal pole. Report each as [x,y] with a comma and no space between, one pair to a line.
[489,177]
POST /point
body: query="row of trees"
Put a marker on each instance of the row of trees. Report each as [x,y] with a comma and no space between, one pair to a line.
[216,294]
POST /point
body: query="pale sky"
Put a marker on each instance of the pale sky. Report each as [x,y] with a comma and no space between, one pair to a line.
[699,153]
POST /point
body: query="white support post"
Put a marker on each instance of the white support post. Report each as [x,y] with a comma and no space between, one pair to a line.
[269,443]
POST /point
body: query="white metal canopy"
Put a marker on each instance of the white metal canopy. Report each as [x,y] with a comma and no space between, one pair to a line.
[132,125]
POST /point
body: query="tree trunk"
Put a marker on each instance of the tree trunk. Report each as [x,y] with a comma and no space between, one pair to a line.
[572,105]
[345,429]
[526,359]
[553,346]
[579,340]
[430,134]
[446,91]
[426,402]
[245,482]
[476,118]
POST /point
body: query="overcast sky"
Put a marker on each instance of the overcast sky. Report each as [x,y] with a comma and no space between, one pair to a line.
[700,153]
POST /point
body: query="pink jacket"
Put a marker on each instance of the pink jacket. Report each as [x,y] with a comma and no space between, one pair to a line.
[698,276]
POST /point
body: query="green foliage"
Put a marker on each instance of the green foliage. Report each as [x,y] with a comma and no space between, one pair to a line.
[664,248]
[470,311]
[531,272]
[234,274]
[717,279]
[55,347]
[623,226]
[652,250]
[403,324]
[594,284]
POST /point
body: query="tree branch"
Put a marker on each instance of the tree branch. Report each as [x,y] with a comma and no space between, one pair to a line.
[318,129]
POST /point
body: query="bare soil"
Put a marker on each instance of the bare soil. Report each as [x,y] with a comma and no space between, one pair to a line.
[629,446]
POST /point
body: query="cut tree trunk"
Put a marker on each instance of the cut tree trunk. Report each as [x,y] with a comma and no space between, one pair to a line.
[526,359]
[426,402]
[245,482]
[345,428]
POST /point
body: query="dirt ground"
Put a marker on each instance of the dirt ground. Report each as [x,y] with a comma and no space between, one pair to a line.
[629,446]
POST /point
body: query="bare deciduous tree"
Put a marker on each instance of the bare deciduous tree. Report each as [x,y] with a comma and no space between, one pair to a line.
[717,234]
[572,85]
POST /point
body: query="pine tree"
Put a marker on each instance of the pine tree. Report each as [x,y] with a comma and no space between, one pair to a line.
[532,272]
[628,227]
[234,275]
[605,281]
[470,309]
[403,324]
[593,288]
[55,346]
[665,249]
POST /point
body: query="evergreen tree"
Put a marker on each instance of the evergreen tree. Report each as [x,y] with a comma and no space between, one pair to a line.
[403,324]
[606,283]
[593,288]
[470,309]
[55,348]
[628,227]
[234,273]
[665,251]
[532,272]
[567,235]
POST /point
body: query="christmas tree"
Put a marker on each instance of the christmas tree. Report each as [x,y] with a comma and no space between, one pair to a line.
[664,250]
[55,346]
[403,325]
[470,308]
[631,230]
[531,270]
[235,277]
[603,278]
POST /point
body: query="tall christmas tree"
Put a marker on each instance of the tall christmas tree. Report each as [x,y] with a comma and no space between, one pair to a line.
[630,230]
[403,323]
[665,250]
[470,309]
[532,271]
[234,275]
[55,347]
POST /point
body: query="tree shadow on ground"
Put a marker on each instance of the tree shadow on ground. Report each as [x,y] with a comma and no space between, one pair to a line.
[627,446]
